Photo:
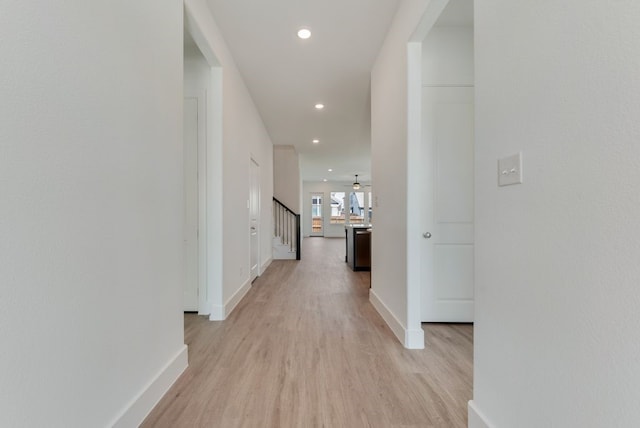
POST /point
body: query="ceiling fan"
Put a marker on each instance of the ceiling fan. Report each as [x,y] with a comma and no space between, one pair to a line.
[357,186]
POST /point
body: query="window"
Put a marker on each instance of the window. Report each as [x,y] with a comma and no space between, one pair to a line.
[316,206]
[351,203]
[356,207]
[337,208]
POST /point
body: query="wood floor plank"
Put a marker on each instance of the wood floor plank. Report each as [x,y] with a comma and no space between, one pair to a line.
[305,348]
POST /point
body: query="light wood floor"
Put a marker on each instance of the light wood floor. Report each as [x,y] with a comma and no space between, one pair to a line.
[305,348]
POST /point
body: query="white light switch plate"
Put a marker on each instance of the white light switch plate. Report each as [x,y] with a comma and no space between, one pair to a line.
[510,170]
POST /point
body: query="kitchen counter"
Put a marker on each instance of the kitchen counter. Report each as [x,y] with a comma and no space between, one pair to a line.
[358,247]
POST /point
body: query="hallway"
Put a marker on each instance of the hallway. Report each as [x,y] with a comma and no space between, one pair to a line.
[305,348]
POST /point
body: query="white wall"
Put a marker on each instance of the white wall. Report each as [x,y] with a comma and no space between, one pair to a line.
[389,177]
[92,211]
[557,297]
[309,187]
[447,56]
[244,137]
[286,177]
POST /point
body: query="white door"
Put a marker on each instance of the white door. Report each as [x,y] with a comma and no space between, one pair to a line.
[448,198]
[254,216]
[317,217]
[190,153]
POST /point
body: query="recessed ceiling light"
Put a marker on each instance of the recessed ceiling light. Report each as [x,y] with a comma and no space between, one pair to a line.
[319,106]
[304,33]
[315,141]
[324,179]
[330,170]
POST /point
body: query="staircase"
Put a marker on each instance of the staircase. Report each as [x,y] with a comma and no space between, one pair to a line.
[282,251]
[286,232]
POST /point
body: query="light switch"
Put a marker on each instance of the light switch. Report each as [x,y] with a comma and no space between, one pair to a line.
[510,170]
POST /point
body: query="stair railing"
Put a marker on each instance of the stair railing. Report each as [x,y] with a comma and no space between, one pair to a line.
[286,226]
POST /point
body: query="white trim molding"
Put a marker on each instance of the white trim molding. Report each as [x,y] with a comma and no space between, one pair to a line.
[217,313]
[138,409]
[220,312]
[265,265]
[411,339]
[236,298]
[414,338]
[476,418]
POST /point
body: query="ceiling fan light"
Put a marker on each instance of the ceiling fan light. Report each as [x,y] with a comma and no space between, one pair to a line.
[304,33]
[356,184]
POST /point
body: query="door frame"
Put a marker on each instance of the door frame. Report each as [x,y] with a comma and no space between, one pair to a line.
[414,338]
[311,195]
[210,166]
[252,160]
[415,173]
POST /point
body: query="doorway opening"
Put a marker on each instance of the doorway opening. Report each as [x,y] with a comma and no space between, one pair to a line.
[194,173]
[441,166]
[448,155]
[254,220]
[202,161]
[317,214]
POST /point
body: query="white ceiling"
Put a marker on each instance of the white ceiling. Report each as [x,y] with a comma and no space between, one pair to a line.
[287,76]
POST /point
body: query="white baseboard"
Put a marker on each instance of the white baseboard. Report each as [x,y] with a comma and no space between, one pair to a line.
[396,326]
[414,339]
[476,418]
[204,308]
[411,339]
[235,299]
[217,313]
[141,406]
[265,265]
[221,312]
[335,235]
